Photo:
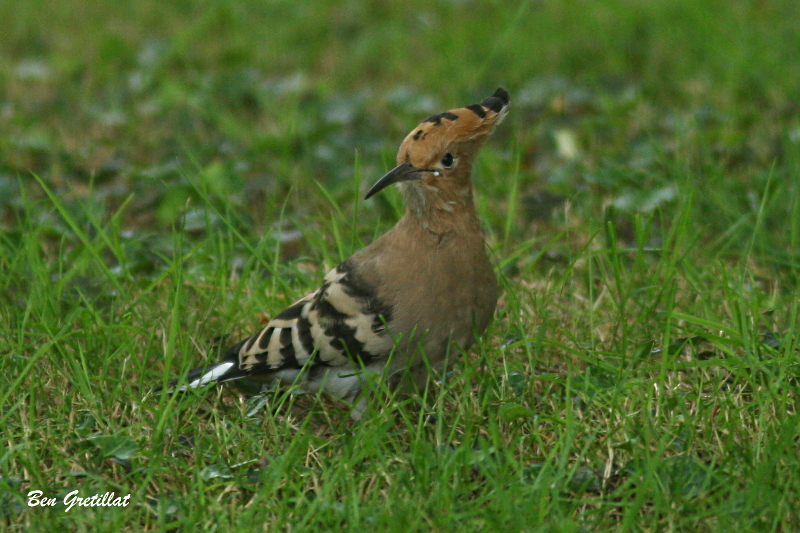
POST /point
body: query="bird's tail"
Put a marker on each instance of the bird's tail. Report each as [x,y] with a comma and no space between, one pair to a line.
[226,370]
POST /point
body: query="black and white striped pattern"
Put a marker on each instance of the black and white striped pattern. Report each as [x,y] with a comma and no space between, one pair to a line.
[332,332]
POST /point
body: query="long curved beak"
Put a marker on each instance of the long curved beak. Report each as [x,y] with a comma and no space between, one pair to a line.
[403,172]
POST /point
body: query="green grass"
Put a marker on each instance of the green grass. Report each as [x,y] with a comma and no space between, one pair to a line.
[173,173]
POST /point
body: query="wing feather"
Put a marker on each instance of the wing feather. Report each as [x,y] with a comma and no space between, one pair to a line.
[335,325]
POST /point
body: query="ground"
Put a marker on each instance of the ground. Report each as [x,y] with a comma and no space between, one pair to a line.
[174,173]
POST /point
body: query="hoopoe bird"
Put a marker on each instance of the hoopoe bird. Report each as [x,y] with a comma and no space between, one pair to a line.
[405,304]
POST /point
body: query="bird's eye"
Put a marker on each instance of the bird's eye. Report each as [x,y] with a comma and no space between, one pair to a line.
[447,160]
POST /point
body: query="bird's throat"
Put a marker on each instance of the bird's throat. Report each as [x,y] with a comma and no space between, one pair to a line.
[440,210]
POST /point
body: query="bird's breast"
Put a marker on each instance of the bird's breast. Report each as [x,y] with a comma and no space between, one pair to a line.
[445,296]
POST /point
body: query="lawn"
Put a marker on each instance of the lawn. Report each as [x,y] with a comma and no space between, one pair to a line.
[172,174]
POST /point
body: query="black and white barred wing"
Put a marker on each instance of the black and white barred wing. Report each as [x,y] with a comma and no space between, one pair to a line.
[342,324]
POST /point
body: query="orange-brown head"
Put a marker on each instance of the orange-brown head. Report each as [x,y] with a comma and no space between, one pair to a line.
[435,159]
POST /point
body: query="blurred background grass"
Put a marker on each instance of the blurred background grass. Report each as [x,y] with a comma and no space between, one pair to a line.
[255,99]
[164,164]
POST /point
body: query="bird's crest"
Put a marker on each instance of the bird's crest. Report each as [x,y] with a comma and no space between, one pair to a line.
[470,124]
